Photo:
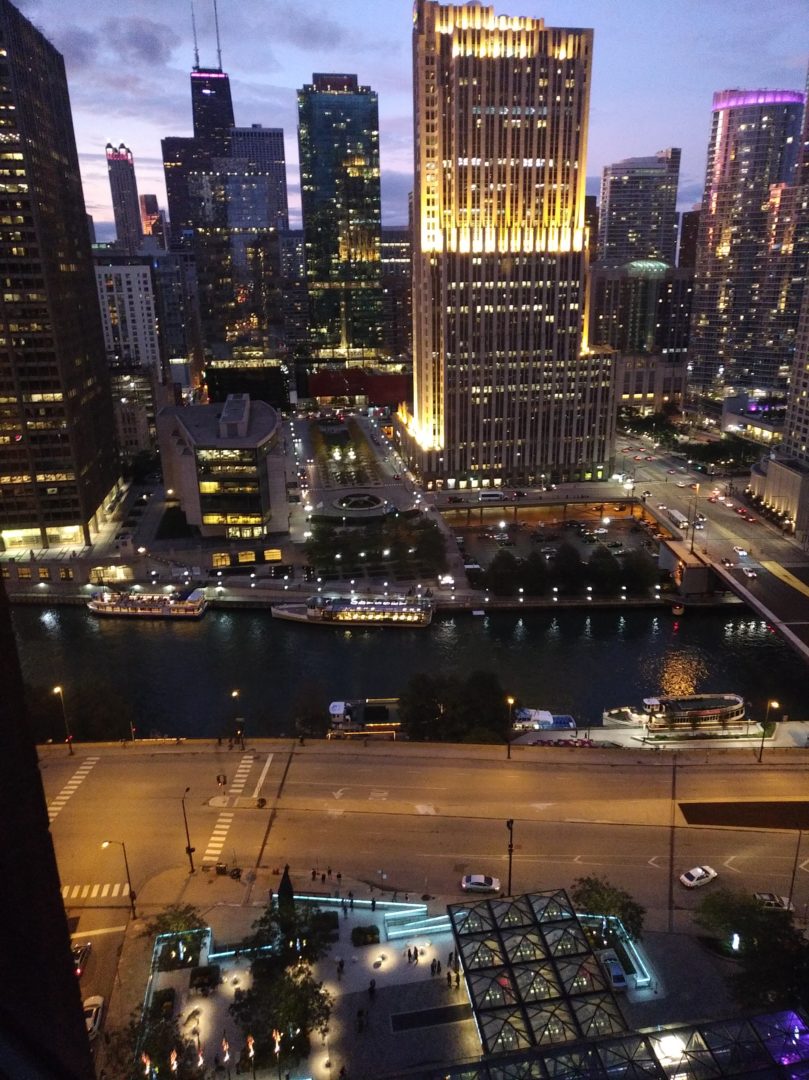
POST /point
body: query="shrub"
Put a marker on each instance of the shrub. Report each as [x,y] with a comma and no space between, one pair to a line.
[365,935]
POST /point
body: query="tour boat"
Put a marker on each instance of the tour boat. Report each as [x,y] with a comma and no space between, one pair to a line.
[358,611]
[687,712]
[188,605]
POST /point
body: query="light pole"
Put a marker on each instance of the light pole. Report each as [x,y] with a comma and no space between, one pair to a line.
[510,701]
[188,849]
[68,737]
[132,897]
[510,827]
[770,705]
[238,723]
[794,870]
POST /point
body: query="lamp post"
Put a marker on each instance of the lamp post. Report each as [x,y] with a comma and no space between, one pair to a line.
[132,897]
[510,701]
[770,705]
[510,827]
[794,870]
[189,850]
[68,737]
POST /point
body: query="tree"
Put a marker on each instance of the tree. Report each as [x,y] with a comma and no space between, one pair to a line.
[174,920]
[567,569]
[293,933]
[604,572]
[597,896]
[502,574]
[421,707]
[640,572]
[773,954]
[535,574]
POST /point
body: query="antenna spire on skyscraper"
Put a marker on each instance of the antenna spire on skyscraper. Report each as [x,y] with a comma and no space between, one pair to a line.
[218,43]
[194,29]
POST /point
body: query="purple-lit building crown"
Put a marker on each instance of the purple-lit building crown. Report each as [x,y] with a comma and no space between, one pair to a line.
[739,99]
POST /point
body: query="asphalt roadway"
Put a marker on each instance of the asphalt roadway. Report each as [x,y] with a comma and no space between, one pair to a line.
[409,819]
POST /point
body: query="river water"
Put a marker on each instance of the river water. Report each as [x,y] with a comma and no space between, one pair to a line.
[177,679]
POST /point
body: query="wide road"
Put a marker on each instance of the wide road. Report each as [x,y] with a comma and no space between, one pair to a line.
[410,817]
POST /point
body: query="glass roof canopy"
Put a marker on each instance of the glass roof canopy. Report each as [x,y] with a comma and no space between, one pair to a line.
[543,1009]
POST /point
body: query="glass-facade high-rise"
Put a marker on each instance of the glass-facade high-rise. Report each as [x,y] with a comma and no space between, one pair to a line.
[754,143]
[638,209]
[57,443]
[503,387]
[338,136]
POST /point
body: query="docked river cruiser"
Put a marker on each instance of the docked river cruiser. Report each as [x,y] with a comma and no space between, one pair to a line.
[348,611]
[189,605]
[687,712]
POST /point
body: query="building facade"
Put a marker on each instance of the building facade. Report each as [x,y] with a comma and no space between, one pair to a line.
[262,151]
[638,209]
[504,385]
[58,462]
[642,307]
[397,307]
[125,204]
[754,144]
[338,139]
[689,232]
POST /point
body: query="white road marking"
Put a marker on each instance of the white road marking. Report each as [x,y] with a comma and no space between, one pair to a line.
[425,808]
[378,795]
[71,787]
[263,776]
[218,836]
[339,793]
[541,805]
[727,863]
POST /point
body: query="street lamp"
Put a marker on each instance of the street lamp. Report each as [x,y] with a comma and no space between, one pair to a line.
[794,870]
[510,827]
[510,701]
[188,849]
[68,737]
[770,705]
[132,896]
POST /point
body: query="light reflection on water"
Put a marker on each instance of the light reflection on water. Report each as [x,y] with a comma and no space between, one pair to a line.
[178,677]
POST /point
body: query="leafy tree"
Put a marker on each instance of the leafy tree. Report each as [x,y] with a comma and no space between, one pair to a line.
[421,705]
[640,572]
[502,574]
[773,954]
[297,933]
[604,572]
[448,709]
[174,920]
[597,896]
[535,574]
[567,569]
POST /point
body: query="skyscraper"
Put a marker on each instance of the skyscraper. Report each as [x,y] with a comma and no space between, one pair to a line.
[261,150]
[57,445]
[211,108]
[502,387]
[338,137]
[689,232]
[125,205]
[754,143]
[638,209]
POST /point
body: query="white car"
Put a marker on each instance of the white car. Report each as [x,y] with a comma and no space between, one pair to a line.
[93,1011]
[480,883]
[749,572]
[740,551]
[698,876]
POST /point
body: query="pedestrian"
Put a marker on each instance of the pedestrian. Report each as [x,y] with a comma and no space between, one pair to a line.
[449,958]
[373,903]
[342,1075]
[328,871]
[372,989]
[314,874]
[410,956]
[339,878]
[457,979]
[438,967]
[323,879]
[351,900]
[432,966]
[449,979]
[416,955]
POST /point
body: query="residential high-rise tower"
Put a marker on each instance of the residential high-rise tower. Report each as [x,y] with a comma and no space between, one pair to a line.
[338,137]
[57,442]
[125,204]
[503,388]
[638,209]
[754,143]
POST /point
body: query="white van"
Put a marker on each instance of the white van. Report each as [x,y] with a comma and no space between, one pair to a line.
[492,496]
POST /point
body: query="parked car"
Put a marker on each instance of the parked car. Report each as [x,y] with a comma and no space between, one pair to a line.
[698,876]
[613,969]
[93,1011]
[80,954]
[480,883]
[777,903]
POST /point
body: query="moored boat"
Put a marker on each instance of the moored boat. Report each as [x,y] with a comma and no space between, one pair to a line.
[187,605]
[348,611]
[686,712]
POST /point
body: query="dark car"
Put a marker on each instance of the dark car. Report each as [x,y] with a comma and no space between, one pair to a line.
[455,499]
[520,494]
[80,954]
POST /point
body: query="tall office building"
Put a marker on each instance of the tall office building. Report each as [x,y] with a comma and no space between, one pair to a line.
[754,144]
[262,152]
[153,220]
[211,108]
[502,386]
[641,307]
[338,137]
[57,444]
[125,205]
[638,209]
[689,232]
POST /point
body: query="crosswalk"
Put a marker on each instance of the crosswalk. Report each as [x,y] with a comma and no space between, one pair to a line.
[213,852]
[70,788]
[96,891]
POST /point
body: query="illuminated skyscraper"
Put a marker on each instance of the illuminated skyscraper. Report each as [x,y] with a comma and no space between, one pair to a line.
[502,387]
[754,144]
[125,205]
[338,137]
[638,209]
[57,444]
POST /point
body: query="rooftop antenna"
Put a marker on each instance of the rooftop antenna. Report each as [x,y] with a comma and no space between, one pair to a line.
[218,43]
[196,46]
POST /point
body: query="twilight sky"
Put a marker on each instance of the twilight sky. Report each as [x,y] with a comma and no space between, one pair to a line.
[657,64]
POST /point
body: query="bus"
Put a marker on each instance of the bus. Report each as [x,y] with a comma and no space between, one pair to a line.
[680,520]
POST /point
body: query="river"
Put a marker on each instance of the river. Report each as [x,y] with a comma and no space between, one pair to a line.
[177,678]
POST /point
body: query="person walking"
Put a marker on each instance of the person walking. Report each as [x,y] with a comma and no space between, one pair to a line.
[449,979]
[410,956]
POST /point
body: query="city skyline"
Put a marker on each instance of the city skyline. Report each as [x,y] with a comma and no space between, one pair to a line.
[128,76]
